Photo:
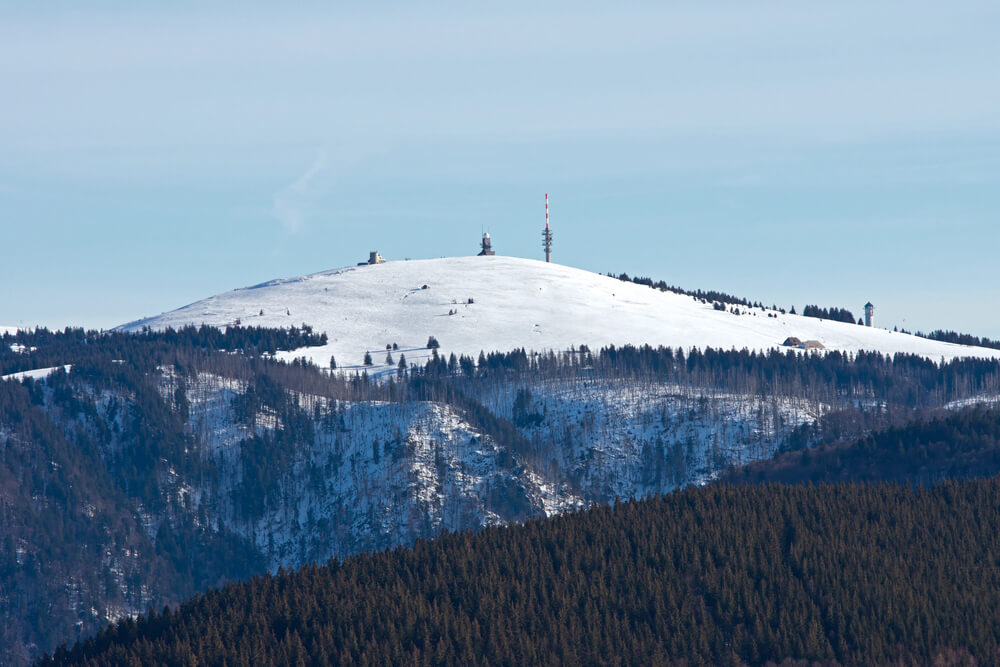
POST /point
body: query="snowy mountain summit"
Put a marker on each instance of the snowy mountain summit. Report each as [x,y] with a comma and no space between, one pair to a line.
[493,303]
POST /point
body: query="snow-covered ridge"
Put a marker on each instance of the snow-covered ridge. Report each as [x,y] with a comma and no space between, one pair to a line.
[502,303]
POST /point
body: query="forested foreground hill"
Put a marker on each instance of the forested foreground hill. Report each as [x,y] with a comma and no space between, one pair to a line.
[954,446]
[840,574]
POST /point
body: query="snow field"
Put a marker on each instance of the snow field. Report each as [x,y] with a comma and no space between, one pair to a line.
[503,303]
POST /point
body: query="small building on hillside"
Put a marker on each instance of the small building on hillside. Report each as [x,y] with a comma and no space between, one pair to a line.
[373,258]
[869,313]
[487,246]
[793,341]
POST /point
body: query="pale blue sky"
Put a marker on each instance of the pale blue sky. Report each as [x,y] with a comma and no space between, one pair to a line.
[790,152]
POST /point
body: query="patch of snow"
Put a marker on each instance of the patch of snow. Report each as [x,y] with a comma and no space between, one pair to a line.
[37,374]
[555,498]
[990,400]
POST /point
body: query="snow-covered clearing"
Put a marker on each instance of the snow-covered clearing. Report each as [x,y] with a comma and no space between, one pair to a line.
[960,404]
[37,374]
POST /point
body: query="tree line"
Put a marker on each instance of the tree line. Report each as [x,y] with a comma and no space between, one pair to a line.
[960,339]
[39,348]
[835,314]
[719,300]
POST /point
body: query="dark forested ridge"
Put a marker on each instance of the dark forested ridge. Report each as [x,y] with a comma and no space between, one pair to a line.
[839,574]
[39,348]
[951,446]
[87,458]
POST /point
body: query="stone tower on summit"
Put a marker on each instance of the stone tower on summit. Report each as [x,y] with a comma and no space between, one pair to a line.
[486,245]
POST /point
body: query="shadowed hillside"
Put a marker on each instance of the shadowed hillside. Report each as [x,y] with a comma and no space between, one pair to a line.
[717,575]
[955,446]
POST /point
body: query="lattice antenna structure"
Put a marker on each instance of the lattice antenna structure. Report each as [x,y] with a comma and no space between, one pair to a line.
[547,234]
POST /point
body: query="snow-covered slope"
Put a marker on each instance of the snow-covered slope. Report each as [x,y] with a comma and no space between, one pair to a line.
[37,374]
[502,303]
[378,474]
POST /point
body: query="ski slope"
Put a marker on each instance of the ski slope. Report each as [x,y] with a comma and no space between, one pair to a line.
[501,303]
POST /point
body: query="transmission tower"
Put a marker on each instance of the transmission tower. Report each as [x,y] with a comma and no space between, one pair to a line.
[547,234]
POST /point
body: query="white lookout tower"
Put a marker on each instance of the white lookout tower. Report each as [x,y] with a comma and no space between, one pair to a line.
[869,312]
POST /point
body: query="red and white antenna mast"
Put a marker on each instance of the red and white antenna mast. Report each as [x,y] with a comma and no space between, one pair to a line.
[547,234]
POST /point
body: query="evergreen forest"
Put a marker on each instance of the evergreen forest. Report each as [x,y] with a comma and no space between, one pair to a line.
[723,575]
[952,445]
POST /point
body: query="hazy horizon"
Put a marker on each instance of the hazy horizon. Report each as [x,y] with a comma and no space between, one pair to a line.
[788,153]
